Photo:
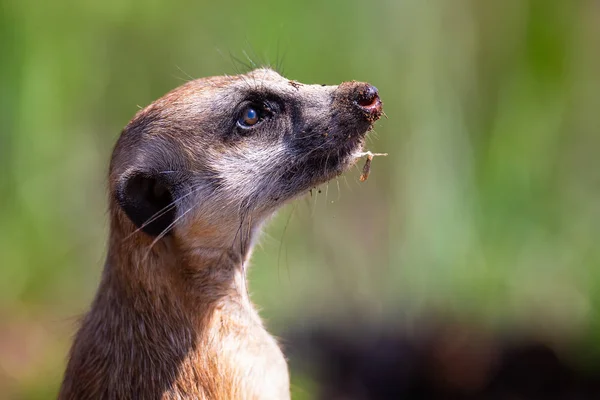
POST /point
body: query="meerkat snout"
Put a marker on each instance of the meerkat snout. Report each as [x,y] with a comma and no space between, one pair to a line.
[368,100]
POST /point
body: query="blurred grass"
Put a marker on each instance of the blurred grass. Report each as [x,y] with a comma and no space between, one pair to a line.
[488,204]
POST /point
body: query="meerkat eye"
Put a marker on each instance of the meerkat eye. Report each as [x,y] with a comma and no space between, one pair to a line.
[250,117]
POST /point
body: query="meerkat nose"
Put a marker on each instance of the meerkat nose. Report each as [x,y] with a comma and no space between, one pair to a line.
[367,99]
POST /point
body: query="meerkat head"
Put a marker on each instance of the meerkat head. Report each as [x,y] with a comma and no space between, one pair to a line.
[221,153]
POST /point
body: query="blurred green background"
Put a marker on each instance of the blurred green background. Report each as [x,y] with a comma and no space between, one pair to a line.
[487,206]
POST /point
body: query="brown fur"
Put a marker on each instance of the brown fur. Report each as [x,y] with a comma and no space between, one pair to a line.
[172,318]
[179,325]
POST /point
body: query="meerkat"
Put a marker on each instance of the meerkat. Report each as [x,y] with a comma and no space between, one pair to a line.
[192,179]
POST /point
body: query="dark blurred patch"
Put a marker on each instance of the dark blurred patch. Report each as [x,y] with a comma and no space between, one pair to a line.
[452,361]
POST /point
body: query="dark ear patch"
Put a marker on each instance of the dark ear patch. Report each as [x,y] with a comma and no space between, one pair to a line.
[148,203]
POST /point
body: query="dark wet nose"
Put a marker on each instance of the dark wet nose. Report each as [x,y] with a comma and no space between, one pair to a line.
[367,99]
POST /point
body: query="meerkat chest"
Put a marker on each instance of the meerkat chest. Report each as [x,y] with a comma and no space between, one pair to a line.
[234,361]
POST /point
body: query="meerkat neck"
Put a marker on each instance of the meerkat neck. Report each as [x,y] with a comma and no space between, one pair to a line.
[198,277]
[162,316]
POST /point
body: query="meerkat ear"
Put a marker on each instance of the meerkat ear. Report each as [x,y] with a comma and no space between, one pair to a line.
[148,202]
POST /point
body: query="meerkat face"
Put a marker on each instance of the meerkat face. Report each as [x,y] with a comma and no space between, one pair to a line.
[218,151]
